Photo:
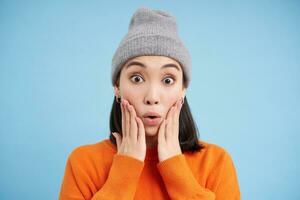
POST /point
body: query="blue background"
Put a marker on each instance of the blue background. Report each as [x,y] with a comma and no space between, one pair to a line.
[56,93]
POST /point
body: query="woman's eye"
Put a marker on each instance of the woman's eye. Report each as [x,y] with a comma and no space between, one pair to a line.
[169,80]
[136,78]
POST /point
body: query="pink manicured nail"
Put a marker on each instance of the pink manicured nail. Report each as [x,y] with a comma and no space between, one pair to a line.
[178,103]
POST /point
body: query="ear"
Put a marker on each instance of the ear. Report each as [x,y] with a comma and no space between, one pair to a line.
[117,91]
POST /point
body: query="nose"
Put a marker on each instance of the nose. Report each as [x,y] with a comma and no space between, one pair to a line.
[149,102]
[152,96]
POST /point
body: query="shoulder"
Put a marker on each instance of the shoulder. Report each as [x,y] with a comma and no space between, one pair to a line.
[92,151]
[213,148]
[212,153]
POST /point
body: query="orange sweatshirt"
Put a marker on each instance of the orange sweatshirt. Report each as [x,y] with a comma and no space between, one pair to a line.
[96,172]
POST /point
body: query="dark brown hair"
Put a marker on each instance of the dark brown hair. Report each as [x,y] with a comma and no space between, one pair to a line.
[188,131]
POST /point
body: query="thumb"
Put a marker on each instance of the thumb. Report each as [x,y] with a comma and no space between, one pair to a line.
[118,138]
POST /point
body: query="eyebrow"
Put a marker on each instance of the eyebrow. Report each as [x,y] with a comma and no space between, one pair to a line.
[144,66]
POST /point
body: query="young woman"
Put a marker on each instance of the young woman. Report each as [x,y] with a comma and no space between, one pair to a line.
[153,151]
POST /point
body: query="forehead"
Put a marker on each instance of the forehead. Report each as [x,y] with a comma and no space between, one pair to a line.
[153,62]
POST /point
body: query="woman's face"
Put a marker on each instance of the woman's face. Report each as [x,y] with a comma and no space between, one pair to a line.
[151,83]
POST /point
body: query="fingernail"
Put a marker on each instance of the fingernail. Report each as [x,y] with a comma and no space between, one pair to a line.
[179,103]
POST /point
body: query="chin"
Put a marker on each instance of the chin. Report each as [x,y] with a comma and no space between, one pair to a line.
[151,131]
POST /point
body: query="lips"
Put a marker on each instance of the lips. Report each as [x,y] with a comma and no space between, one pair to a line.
[151,118]
[151,122]
[151,114]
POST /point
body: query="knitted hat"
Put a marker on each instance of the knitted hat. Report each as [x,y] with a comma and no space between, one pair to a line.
[151,32]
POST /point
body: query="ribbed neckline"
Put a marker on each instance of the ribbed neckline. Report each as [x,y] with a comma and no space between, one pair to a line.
[151,152]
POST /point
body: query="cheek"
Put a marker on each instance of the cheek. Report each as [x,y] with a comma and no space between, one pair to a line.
[133,98]
[130,95]
[172,99]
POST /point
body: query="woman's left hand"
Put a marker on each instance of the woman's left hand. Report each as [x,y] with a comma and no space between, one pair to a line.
[168,141]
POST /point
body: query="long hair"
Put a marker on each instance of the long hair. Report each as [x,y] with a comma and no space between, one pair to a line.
[188,131]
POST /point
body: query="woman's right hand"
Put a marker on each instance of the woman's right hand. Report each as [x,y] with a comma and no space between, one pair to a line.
[132,142]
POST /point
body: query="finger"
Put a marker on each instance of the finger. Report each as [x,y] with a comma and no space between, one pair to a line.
[141,130]
[127,119]
[133,125]
[177,110]
[161,133]
[169,125]
[133,110]
[123,118]
[176,119]
[169,114]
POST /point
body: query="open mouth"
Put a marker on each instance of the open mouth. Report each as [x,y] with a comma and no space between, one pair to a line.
[152,117]
[151,120]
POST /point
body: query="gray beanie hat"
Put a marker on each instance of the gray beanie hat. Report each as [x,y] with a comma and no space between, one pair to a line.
[151,32]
